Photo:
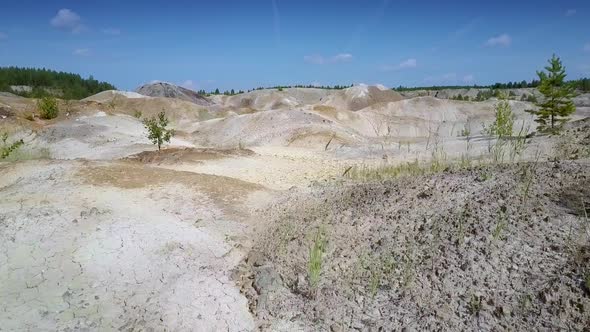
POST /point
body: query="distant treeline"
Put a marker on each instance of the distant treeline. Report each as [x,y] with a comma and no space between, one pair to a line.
[217,92]
[497,93]
[582,84]
[46,82]
[309,86]
[277,87]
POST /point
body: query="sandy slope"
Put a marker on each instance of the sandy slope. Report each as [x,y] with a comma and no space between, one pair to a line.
[128,238]
[454,251]
[163,89]
[96,246]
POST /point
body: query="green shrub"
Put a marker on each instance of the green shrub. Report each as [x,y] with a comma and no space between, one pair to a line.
[28,153]
[532,99]
[475,305]
[465,132]
[504,119]
[47,107]
[7,148]
[315,261]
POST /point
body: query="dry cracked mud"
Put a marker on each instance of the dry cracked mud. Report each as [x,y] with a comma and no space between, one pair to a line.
[84,251]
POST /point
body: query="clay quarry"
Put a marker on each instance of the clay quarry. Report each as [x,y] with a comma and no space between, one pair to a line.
[295,209]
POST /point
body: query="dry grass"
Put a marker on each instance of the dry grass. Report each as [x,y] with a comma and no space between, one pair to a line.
[315,261]
[323,108]
[27,153]
[384,172]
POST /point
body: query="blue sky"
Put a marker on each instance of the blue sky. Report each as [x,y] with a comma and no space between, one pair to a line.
[244,44]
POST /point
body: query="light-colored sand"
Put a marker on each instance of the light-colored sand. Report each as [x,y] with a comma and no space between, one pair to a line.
[149,243]
[82,250]
[98,136]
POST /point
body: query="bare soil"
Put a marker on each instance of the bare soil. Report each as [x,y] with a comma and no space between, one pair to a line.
[99,231]
[191,155]
[455,251]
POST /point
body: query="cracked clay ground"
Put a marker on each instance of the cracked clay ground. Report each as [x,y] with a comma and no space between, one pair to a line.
[104,250]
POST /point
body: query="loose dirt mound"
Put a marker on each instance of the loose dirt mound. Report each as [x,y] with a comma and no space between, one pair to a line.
[354,98]
[360,96]
[485,249]
[271,128]
[180,112]
[187,155]
[582,100]
[109,95]
[162,89]
[271,99]
[424,116]
[128,175]
[471,93]
[5,112]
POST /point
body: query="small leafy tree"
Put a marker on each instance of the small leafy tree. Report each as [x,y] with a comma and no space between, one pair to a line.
[48,108]
[7,148]
[504,119]
[557,103]
[157,131]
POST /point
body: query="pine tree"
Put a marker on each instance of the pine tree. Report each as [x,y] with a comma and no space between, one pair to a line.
[557,103]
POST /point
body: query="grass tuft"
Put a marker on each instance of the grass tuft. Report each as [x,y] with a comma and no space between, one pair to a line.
[315,261]
[385,172]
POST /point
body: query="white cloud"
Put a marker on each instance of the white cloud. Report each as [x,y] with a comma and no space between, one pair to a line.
[406,64]
[465,29]
[449,76]
[468,78]
[342,57]
[503,40]
[317,59]
[587,47]
[189,84]
[570,12]
[445,78]
[67,20]
[314,59]
[111,31]
[410,63]
[82,52]
[3,35]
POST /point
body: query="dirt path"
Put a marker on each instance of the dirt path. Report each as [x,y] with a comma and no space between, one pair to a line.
[92,246]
